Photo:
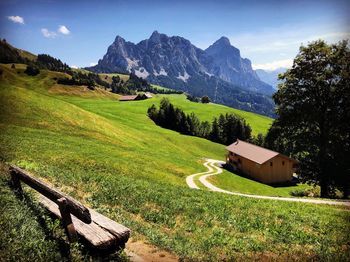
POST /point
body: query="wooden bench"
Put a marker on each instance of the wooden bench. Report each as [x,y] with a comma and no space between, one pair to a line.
[102,233]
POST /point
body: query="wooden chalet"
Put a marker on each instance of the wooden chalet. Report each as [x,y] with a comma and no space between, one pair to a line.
[259,163]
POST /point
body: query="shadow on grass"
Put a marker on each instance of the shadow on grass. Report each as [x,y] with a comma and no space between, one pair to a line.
[46,221]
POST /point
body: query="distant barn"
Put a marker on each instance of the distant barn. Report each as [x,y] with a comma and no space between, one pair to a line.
[135,97]
[259,163]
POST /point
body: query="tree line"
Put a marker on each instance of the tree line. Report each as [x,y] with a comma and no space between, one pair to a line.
[225,129]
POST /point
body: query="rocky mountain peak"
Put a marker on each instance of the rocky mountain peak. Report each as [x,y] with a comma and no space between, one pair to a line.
[156,37]
[119,39]
[223,41]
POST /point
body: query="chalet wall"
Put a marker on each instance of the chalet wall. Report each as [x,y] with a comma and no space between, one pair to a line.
[281,169]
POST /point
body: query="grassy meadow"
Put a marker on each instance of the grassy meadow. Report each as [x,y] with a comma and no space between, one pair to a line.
[111,157]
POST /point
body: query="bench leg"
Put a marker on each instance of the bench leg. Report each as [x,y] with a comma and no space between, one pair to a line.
[16,183]
[67,220]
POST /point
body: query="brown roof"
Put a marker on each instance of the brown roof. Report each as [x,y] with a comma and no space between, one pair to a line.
[127,98]
[252,152]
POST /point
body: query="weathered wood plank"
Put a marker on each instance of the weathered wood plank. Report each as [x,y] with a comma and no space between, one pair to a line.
[121,232]
[74,207]
[98,237]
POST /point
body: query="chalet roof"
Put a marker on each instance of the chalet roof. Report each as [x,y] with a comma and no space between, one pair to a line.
[252,152]
[148,95]
[127,98]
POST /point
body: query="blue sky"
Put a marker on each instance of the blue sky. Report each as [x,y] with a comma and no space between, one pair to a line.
[78,32]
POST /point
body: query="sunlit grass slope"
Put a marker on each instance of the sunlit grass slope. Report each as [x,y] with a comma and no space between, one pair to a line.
[110,156]
[206,112]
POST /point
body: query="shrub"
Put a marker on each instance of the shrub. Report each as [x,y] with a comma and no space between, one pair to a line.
[205,100]
[32,70]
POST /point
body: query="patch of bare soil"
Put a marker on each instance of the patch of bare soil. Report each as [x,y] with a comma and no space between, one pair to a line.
[139,251]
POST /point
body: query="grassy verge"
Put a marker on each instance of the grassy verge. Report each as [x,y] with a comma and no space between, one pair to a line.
[236,183]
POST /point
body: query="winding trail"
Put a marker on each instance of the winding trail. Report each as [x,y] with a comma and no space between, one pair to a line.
[211,165]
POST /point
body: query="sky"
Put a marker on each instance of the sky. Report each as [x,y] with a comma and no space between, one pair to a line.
[269,33]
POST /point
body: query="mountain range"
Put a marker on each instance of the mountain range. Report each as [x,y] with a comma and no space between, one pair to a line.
[218,71]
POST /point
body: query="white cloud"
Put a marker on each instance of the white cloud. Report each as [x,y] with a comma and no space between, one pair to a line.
[74,66]
[63,30]
[16,19]
[286,63]
[47,33]
[93,64]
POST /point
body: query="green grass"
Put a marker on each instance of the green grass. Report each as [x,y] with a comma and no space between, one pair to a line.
[110,156]
[27,54]
[109,77]
[27,233]
[236,183]
[258,123]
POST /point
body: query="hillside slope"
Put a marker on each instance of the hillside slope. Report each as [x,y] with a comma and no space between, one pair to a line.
[111,157]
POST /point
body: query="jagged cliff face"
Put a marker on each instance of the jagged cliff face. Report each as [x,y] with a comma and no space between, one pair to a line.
[160,56]
[174,59]
[228,65]
[176,63]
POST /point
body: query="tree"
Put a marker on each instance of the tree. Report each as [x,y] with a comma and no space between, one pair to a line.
[32,70]
[152,113]
[259,140]
[215,132]
[193,98]
[205,99]
[313,122]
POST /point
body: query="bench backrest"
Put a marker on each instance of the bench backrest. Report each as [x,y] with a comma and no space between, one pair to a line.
[73,206]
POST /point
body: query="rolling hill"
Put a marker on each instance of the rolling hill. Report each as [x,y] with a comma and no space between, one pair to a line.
[112,157]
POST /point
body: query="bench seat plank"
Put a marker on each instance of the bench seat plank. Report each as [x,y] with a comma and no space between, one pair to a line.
[121,232]
[99,237]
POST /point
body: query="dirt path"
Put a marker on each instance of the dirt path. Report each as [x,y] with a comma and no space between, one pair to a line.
[211,165]
[139,251]
[190,179]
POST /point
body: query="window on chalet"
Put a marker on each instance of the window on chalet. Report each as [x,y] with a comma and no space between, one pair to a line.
[239,160]
[282,163]
[270,163]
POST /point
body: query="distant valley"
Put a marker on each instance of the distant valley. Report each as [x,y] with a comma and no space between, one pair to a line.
[219,71]
[270,76]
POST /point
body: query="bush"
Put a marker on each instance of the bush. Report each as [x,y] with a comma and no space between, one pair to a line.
[193,98]
[32,70]
[310,192]
[205,100]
